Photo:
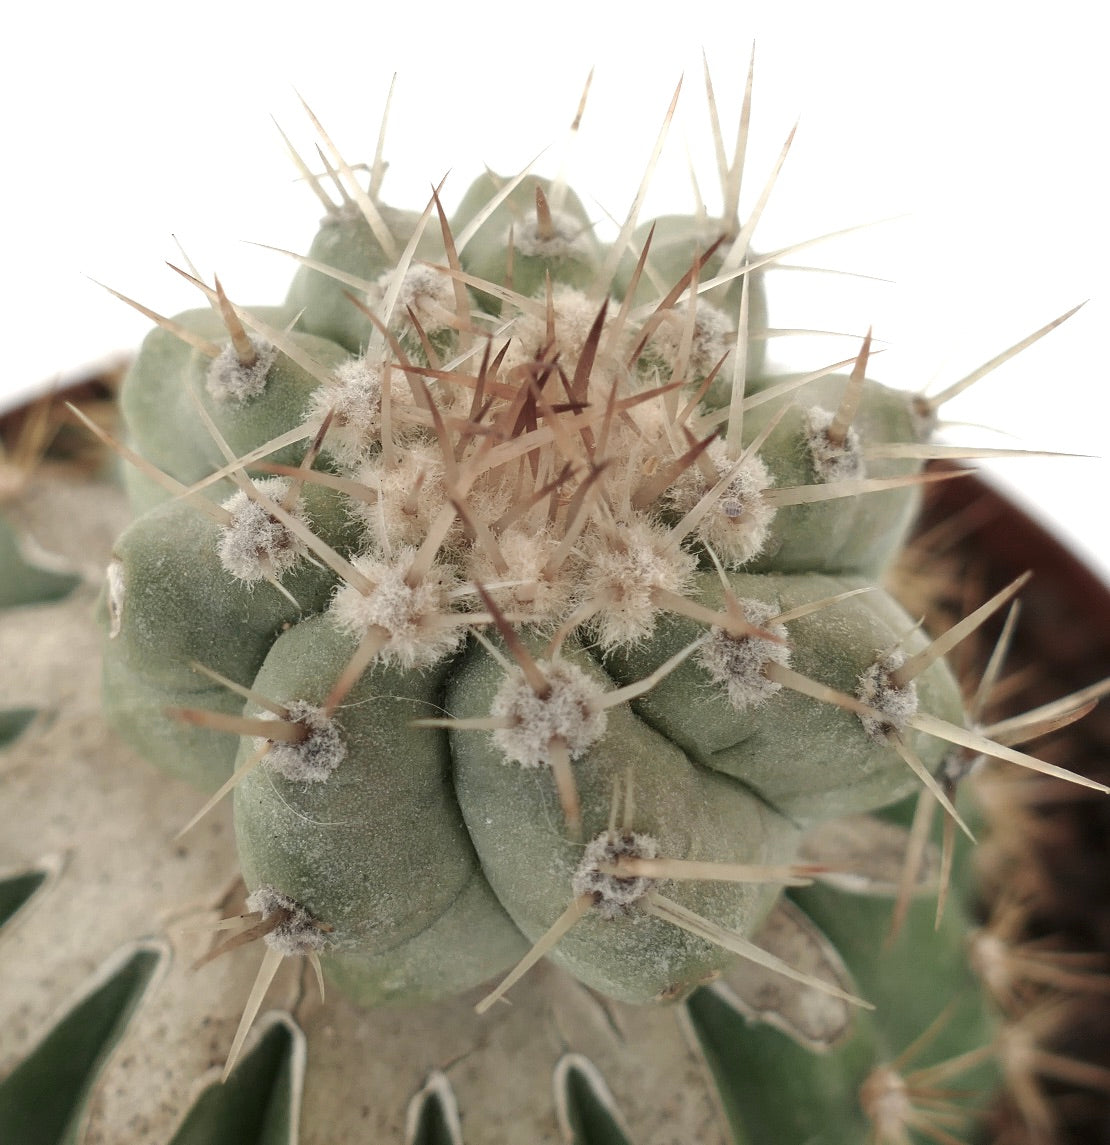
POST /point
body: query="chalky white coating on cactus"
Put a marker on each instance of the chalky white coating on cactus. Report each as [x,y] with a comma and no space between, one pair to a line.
[737,662]
[229,381]
[886,1099]
[115,594]
[316,756]
[614,895]
[413,616]
[832,461]
[623,568]
[898,704]
[254,545]
[990,956]
[736,527]
[569,713]
[299,933]
[567,236]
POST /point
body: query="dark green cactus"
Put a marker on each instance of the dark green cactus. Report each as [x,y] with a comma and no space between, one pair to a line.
[29,574]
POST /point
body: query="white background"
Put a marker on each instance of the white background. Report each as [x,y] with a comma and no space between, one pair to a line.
[127,123]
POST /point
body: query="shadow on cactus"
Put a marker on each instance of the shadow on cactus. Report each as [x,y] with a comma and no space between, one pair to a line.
[526,614]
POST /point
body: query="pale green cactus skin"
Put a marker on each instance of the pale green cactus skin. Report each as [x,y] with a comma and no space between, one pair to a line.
[153,660]
[688,810]
[855,534]
[346,242]
[573,255]
[428,859]
[389,801]
[162,416]
[677,242]
[710,782]
[842,771]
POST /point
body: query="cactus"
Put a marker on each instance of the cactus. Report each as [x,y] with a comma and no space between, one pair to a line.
[525,614]
[28,572]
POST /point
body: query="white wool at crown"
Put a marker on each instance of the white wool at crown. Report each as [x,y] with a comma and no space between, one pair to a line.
[122,144]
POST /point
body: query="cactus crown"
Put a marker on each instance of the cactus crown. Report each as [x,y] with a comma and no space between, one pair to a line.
[548,620]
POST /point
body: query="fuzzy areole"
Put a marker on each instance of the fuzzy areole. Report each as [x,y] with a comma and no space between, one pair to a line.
[521,628]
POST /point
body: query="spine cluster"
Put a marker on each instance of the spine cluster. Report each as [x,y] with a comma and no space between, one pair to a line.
[509,575]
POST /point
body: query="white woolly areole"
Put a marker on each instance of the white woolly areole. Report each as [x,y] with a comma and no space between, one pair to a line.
[354,397]
[737,662]
[299,933]
[898,705]
[568,237]
[315,757]
[230,381]
[411,494]
[524,591]
[116,591]
[412,615]
[614,896]
[714,336]
[886,1100]
[426,292]
[256,545]
[737,524]
[832,462]
[624,567]
[569,712]
[575,313]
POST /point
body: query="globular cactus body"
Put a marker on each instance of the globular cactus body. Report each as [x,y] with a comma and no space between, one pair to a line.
[548,621]
[153,660]
[772,760]
[841,770]
[685,812]
[389,812]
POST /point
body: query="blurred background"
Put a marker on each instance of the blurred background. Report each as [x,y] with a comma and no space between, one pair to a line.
[976,132]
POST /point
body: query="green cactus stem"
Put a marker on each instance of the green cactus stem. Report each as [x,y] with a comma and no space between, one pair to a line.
[524,613]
